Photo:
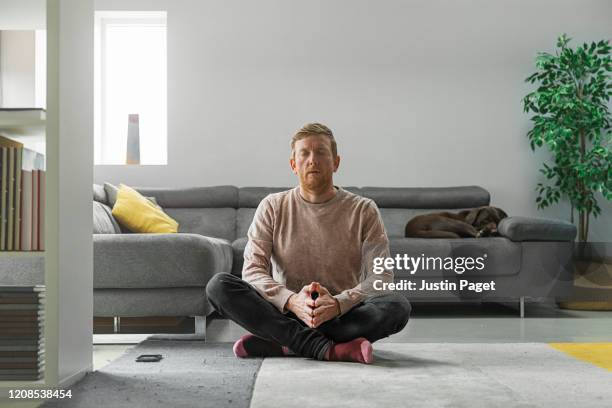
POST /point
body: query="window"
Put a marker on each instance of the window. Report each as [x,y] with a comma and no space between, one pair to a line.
[130,79]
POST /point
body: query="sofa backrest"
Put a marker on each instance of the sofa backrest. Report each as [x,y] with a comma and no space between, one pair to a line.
[248,200]
[209,211]
[398,205]
[250,197]
[227,211]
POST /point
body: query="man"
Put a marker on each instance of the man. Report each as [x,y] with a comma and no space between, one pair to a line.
[308,263]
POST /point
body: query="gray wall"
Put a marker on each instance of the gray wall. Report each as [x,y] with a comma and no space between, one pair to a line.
[418,93]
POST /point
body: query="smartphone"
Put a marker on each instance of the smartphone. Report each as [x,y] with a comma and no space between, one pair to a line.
[149,358]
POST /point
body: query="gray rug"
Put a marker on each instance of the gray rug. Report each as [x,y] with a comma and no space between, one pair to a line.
[191,374]
[427,375]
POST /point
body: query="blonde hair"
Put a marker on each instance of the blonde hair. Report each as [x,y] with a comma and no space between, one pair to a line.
[311,129]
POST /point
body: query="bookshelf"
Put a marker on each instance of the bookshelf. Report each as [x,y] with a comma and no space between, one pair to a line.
[22,181]
[70,269]
[23,128]
[19,118]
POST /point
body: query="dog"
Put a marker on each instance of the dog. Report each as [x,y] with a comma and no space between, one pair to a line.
[474,223]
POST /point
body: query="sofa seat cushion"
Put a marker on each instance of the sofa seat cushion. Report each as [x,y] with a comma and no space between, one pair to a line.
[151,302]
[499,256]
[158,260]
[238,250]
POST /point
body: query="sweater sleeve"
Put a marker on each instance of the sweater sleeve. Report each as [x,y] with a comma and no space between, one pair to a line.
[257,269]
[375,244]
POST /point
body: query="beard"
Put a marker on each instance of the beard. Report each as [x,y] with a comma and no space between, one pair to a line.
[318,183]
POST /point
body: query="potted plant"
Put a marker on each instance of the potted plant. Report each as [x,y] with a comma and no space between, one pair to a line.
[571,117]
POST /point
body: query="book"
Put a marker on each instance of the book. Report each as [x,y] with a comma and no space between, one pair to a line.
[4,372]
[10,203]
[21,347]
[32,313]
[20,354]
[8,142]
[35,174]
[17,233]
[4,294]
[41,210]
[19,359]
[21,364]
[22,342]
[3,193]
[32,160]
[18,300]
[17,332]
[26,210]
[25,289]
[8,319]
[31,325]
[20,307]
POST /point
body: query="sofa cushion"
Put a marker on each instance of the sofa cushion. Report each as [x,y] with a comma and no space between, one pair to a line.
[395,219]
[536,229]
[103,220]
[210,222]
[99,194]
[135,212]
[502,257]
[110,195]
[428,197]
[244,218]
[250,197]
[193,197]
[238,252]
[158,260]
[151,302]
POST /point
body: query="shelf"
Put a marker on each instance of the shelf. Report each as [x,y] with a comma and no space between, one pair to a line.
[18,118]
[24,383]
[22,254]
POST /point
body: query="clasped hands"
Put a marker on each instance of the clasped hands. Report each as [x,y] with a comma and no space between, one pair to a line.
[313,312]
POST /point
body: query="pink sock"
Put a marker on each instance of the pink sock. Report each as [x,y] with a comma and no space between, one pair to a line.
[358,351]
[250,345]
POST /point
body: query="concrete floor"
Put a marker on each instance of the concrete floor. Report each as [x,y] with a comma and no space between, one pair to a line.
[443,323]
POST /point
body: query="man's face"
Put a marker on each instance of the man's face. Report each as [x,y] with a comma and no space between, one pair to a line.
[314,162]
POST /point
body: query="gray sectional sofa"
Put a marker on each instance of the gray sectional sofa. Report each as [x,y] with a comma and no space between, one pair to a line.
[166,274]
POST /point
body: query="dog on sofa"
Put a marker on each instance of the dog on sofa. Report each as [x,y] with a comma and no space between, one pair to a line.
[474,223]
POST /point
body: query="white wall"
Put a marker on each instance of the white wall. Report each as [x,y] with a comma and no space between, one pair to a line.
[74,166]
[418,93]
[17,69]
[23,14]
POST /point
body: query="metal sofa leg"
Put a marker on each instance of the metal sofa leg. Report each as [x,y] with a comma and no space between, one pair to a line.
[200,325]
[116,324]
[522,306]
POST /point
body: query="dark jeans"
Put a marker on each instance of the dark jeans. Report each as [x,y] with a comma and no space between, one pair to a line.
[374,318]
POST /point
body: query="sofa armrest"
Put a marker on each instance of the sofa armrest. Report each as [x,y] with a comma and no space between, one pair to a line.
[536,229]
[176,260]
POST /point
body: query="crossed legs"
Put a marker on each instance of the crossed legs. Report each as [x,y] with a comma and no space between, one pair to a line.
[373,319]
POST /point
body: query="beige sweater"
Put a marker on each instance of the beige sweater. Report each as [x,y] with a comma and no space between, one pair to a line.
[292,243]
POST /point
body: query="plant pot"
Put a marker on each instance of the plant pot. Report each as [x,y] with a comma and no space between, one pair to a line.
[592,277]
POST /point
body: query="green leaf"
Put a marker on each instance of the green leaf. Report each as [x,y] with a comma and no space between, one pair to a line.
[570,107]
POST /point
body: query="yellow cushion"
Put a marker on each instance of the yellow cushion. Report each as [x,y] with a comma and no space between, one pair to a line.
[138,214]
